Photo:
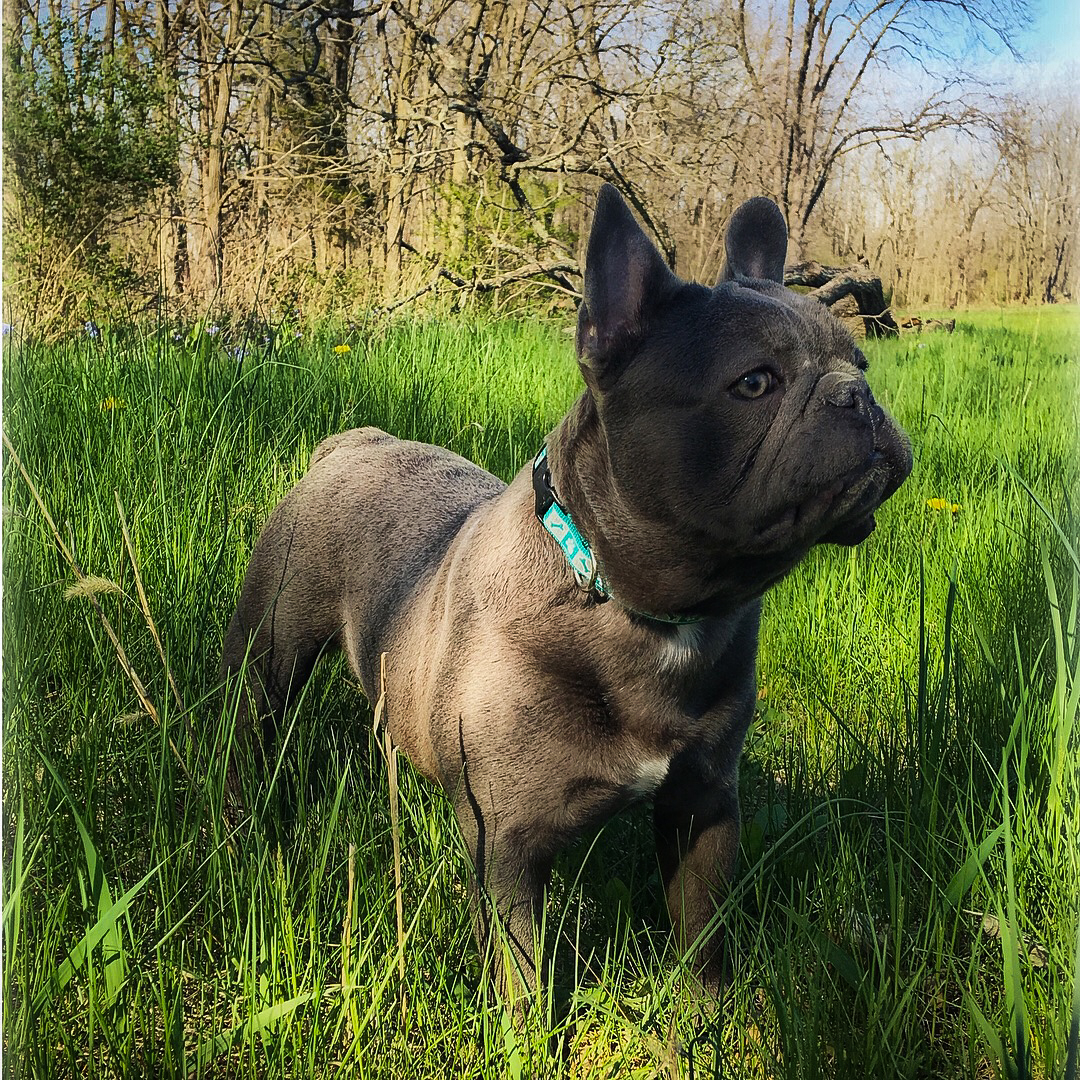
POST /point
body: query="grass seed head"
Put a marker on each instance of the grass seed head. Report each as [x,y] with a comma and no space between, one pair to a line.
[93,585]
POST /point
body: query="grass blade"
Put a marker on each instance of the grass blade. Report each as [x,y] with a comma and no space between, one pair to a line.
[258,1023]
[967,875]
[1072,1058]
[107,927]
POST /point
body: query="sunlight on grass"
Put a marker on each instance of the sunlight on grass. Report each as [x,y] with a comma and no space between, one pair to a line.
[906,899]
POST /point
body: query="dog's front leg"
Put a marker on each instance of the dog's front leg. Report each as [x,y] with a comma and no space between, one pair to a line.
[511,873]
[508,919]
[697,841]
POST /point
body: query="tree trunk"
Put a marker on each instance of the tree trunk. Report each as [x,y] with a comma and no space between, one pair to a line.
[172,231]
[261,185]
[401,67]
[215,90]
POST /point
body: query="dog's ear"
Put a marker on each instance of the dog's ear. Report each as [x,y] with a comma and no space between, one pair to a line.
[755,244]
[626,279]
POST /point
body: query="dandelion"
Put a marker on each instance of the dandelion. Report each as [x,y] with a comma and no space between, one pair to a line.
[112,403]
[343,348]
[943,504]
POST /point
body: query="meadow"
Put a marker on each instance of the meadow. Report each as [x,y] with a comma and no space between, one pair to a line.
[907,895]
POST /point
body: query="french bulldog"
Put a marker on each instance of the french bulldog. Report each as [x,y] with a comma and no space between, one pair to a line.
[585,637]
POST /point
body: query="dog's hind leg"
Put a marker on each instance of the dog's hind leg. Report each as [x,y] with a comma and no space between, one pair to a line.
[262,680]
[284,621]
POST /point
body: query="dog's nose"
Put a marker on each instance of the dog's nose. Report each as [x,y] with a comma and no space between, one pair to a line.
[844,391]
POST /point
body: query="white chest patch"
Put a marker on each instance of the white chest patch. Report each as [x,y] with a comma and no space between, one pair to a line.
[682,647]
[649,775]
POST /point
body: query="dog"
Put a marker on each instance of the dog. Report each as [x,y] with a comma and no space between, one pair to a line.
[586,636]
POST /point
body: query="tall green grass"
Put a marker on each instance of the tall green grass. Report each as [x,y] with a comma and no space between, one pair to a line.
[907,900]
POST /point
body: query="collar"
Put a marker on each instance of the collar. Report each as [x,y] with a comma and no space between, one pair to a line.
[560,526]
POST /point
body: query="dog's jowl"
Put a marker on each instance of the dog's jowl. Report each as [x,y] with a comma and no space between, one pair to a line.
[586,636]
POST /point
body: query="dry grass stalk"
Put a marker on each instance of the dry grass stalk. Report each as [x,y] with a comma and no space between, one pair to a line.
[395,830]
[86,589]
[346,950]
[143,603]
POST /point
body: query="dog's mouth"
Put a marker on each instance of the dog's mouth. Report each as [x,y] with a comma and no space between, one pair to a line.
[851,505]
[851,533]
[840,513]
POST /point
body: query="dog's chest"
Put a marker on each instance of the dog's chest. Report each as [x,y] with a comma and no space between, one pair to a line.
[688,645]
[648,775]
[689,696]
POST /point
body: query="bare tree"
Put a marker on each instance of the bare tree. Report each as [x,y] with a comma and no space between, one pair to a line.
[218,36]
[825,79]
[1040,152]
[358,152]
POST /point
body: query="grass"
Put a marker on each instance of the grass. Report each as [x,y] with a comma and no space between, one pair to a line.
[907,900]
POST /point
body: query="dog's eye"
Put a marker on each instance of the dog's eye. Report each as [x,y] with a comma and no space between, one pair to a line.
[755,384]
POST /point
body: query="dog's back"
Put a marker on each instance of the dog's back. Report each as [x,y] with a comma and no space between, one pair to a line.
[363,528]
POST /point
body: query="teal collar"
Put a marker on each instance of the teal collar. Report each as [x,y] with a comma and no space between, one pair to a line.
[560,526]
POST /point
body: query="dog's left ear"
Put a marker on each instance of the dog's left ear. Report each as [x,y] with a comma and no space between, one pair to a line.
[626,280]
[755,244]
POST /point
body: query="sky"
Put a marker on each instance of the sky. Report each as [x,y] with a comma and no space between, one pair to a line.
[1054,38]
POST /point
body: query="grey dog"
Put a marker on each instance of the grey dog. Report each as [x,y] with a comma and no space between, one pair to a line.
[586,636]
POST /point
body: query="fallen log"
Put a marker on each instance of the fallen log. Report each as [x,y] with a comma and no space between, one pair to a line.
[854,294]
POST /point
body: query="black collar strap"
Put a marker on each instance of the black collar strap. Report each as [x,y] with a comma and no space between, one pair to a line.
[560,525]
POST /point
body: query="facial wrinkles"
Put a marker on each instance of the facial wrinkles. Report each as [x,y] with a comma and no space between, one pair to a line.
[808,396]
[799,394]
[774,346]
[792,407]
[747,467]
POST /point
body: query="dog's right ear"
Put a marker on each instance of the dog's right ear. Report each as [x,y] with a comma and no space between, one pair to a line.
[755,243]
[626,279]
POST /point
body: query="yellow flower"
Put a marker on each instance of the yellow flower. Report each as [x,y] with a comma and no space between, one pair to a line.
[342,348]
[943,504]
[111,403]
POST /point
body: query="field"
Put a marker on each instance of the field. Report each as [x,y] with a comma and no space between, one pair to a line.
[907,897]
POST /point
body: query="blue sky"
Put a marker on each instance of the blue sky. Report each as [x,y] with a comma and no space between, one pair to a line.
[1055,36]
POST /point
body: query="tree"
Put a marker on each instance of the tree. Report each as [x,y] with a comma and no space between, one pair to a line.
[334,153]
[825,79]
[1039,143]
[81,149]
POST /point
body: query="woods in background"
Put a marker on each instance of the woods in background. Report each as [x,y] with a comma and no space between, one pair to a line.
[332,155]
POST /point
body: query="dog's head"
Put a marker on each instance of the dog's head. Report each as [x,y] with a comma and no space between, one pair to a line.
[738,417]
